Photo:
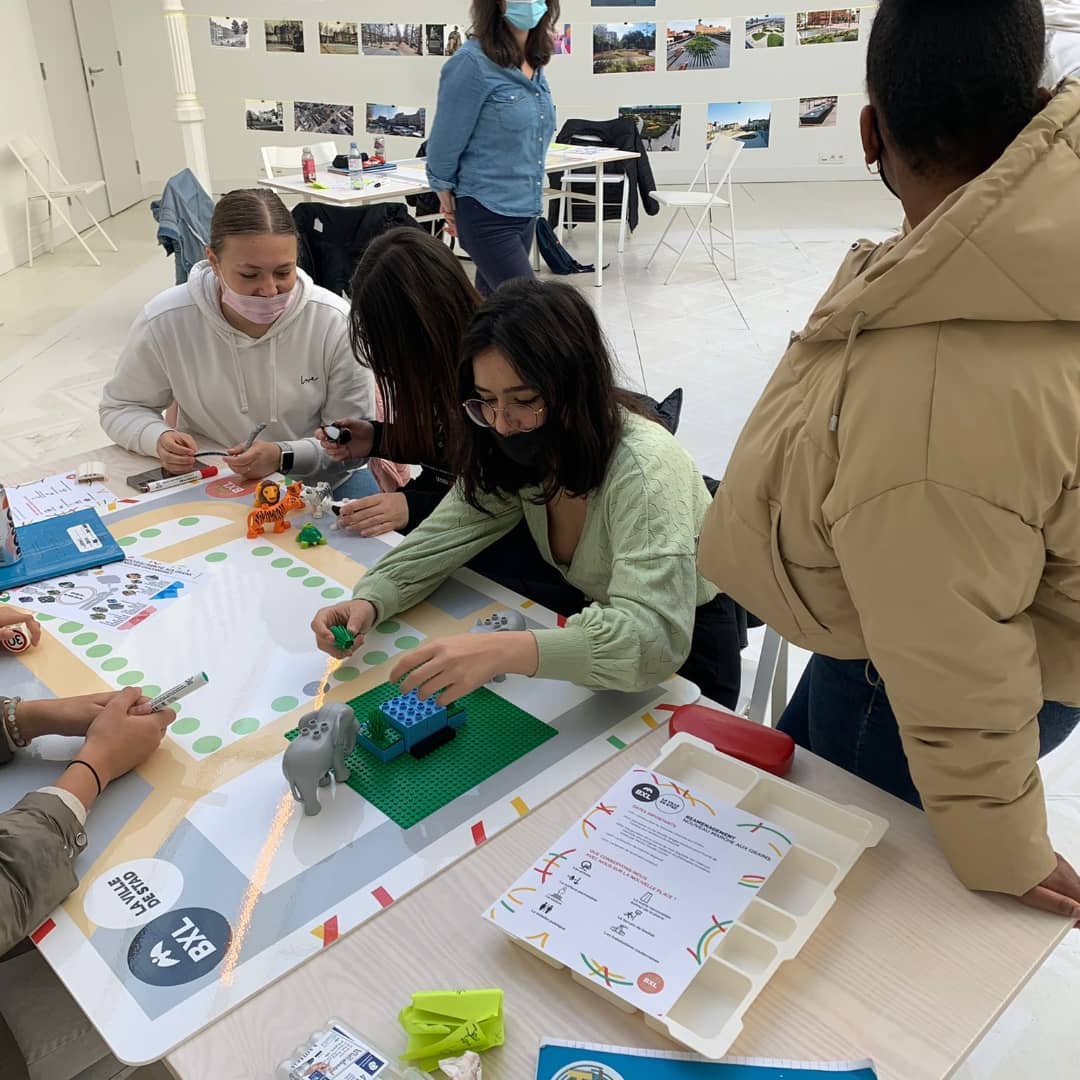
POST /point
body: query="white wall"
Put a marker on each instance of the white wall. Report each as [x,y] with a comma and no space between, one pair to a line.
[23,111]
[226,77]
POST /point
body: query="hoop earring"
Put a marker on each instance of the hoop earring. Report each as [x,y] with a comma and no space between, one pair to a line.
[876,171]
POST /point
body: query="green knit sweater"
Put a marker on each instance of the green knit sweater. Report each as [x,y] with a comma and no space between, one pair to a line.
[636,561]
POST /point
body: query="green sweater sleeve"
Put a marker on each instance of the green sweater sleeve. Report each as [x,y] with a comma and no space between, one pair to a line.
[441,544]
[642,634]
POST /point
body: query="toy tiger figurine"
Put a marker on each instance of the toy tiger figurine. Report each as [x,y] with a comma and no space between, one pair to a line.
[270,506]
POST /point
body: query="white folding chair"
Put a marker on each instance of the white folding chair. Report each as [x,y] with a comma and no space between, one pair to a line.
[42,187]
[724,152]
[571,178]
[283,160]
[771,680]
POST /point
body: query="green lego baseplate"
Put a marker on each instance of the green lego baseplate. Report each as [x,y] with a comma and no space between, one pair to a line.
[408,790]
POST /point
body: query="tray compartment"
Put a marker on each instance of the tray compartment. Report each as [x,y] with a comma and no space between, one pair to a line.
[747,951]
[769,921]
[718,994]
[729,780]
[800,882]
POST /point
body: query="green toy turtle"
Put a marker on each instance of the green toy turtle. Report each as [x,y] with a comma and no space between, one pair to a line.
[309,536]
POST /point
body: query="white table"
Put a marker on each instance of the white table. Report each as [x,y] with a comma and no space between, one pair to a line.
[409,178]
[909,968]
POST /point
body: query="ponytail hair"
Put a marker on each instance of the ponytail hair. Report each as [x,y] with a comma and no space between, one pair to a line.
[249,210]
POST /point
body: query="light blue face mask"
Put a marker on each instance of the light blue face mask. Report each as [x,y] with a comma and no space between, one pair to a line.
[525,14]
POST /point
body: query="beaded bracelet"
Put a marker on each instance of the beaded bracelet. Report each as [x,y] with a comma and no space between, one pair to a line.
[11,724]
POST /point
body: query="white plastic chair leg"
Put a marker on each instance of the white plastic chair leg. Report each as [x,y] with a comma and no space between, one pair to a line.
[660,242]
[97,224]
[29,238]
[625,211]
[74,232]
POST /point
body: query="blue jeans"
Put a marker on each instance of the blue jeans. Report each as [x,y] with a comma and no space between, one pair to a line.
[840,712]
[357,485]
[499,246]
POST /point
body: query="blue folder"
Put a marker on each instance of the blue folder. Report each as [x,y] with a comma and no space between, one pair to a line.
[59,546]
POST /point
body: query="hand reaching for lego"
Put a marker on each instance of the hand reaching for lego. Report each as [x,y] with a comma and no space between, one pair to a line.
[376,514]
[262,459]
[357,445]
[357,616]
[455,666]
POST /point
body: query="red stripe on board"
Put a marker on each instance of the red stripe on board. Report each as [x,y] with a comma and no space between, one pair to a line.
[560,620]
[330,931]
[478,834]
[384,898]
[46,928]
[668,708]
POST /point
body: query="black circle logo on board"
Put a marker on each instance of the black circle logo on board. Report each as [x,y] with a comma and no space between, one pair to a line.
[179,947]
[646,792]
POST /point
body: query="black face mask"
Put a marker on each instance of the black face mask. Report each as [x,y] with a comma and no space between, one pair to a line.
[525,449]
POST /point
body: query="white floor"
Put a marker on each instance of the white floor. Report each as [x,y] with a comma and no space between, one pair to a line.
[65,322]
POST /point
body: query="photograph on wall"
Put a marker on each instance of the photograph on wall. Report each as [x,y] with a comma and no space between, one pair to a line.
[338,38]
[229,33]
[562,41]
[747,121]
[435,39]
[624,47]
[264,115]
[406,121]
[284,35]
[818,112]
[658,125]
[698,44]
[765,31]
[392,39]
[827,27]
[321,118]
[455,38]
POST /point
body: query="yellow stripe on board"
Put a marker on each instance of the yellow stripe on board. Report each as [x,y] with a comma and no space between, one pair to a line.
[520,805]
[650,720]
[528,603]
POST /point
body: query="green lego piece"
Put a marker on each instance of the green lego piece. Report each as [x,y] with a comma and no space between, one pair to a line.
[407,790]
[343,638]
[309,536]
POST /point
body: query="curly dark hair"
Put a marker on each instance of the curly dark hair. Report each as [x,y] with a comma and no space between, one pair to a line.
[550,335]
[496,38]
[953,99]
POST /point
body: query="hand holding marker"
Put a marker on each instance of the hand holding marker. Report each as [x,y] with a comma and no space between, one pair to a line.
[180,690]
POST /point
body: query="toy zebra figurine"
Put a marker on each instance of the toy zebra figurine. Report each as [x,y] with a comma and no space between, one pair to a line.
[271,506]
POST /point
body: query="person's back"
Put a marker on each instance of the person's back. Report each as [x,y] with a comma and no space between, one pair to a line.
[904,496]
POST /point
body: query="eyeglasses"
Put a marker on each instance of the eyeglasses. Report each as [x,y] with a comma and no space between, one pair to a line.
[518,415]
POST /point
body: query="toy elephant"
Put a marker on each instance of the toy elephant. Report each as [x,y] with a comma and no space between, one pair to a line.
[326,738]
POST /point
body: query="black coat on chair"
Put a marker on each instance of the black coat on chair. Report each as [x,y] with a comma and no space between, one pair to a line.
[621,134]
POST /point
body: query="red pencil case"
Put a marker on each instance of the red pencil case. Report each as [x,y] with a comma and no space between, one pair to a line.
[757,745]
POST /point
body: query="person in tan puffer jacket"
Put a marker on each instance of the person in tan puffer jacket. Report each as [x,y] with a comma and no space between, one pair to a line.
[904,500]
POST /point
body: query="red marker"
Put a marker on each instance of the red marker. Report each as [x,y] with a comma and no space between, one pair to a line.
[187,478]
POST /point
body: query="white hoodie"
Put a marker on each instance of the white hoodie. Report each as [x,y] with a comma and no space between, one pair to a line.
[298,375]
[1062,14]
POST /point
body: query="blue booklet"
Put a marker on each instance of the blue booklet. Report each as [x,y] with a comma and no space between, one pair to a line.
[583,1061]
[59,546]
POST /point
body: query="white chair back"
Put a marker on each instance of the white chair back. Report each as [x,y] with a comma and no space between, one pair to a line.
[281,160]
[720,158]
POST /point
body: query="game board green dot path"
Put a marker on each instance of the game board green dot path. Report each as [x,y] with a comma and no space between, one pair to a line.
[406,790]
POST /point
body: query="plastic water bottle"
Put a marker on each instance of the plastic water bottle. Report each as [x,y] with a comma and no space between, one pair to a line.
[307,165]
[380,147]
[356,167]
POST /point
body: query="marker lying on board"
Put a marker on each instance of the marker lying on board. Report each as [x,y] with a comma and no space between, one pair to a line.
[180,690]
[178,481]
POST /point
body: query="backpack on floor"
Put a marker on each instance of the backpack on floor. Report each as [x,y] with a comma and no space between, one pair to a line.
[559,260]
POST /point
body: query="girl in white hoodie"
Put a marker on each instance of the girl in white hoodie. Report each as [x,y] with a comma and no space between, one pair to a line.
[249,339]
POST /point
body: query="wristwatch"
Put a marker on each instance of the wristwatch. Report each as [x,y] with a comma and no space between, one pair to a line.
[7,751]
[287,457]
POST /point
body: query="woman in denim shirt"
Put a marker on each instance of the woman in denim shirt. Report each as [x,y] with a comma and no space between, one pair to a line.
[494,121]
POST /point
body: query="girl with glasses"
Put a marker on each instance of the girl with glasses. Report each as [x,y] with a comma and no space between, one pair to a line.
[612,502]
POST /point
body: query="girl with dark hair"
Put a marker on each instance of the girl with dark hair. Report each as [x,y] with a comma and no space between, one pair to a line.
[493,123]
[612,503]
[903,499]
[247,340]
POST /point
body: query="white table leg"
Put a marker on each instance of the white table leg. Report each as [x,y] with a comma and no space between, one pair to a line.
[598,281]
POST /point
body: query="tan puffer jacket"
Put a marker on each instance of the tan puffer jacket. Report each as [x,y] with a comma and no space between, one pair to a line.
[908,489]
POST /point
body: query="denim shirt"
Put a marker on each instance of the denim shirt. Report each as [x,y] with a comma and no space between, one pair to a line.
[491,133]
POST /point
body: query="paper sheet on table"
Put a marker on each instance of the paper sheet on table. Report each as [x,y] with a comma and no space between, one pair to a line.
[52,496]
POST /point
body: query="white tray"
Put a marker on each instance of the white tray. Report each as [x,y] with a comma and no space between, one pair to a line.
[708,1017]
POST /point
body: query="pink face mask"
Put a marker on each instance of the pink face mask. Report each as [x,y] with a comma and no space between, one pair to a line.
[261,310]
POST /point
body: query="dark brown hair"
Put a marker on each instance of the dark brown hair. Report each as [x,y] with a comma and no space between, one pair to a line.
[496,36]
[411,305]
[550,334]
[249,210]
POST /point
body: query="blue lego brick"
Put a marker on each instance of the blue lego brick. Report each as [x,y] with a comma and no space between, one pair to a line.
[415,719]
[456,715]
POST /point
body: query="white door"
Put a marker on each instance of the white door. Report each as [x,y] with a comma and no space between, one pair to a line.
[69,102]
[108,102]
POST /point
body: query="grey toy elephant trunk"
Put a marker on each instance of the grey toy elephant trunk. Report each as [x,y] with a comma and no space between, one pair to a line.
[326,739]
